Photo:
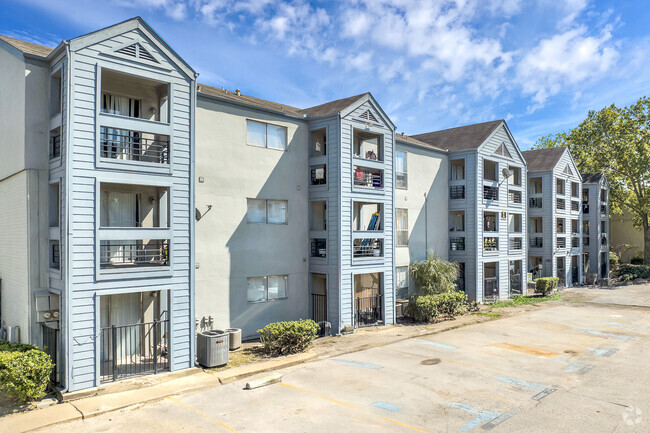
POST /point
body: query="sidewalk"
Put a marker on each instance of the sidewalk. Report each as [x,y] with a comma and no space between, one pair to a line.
[120,395]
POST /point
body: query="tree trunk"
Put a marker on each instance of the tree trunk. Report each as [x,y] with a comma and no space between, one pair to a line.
[646,240]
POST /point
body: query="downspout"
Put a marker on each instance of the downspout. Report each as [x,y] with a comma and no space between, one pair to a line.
[426,227]
[66,319]
[340,221]
[192,325]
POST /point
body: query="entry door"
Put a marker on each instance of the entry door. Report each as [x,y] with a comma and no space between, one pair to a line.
[121,211]
[121,310]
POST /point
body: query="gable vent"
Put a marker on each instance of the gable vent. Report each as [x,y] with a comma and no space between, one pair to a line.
[136,50]
[503,150]
[567,170]
[368,116]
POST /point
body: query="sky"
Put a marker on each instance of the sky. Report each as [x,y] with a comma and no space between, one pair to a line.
[431,65]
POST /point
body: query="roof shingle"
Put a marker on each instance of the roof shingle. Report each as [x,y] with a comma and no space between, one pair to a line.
[332,106]
[249,100]
[543,159]
[27,47]
[592,177]
[460,138]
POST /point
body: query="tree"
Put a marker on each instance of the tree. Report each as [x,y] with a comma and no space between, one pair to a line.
[616,141]
[434,275]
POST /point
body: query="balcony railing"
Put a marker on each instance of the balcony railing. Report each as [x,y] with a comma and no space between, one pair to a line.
[368,178]
[537,242]
[135,253]
[401,180]
[561,204]
[491,244]
[585,241]
[535,202]
[457,192]
[561,242]
[514,197]
[55,146]
[457,244]
[603,209]
[515,244]
[575,206]
[134,146]
[490,192]
[368,248]
[603,240]
[319,175]
[319,247]
[491,288]
[585,207]
[575,242]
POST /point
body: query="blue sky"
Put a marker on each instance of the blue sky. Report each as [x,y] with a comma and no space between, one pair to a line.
[541,65]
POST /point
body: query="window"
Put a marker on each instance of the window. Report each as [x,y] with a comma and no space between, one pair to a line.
[514,223]
[490,170]
[536,225]
[401,175]
[56,88]
[54,205]
[55,143]
[490,222]
[267,211]
[367,216]
[367,145]
[559,186]
[319,143]
[458,169]
[318,215]
[402,281]
[124,205]
[264,289]
[575,189]
[515,176]
[536,185]
[457,221]
[402,227]
[603,195]
[266,135]
[585,195]
[560,225]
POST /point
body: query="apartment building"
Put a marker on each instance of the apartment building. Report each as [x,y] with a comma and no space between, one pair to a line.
[486,207]
[97,220]
[595,225]
[554,215]
[296,221]
[421,207]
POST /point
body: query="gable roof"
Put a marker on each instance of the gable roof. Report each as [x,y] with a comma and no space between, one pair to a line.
[460,138]
[592,177]
[402,138]
[333,107]
[27,47]
[543,159]
[248,100]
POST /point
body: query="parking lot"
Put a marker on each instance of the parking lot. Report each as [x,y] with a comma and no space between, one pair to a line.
[570,366]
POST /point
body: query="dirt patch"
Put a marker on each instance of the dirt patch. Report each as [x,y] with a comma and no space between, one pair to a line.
[431,361]
[248,353]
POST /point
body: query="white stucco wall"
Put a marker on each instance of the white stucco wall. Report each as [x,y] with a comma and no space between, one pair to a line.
[228,249]
[12,111]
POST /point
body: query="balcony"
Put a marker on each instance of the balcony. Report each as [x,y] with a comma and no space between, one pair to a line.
[603,209]
[368,178]
[365,248]
[457,192]
[575,242]
[515,244]
[490,192]
[603,240]
[491,244]
[133,253]
[134,146]
[585,207]
[575,206]
[134,96]
[561,242]
[55,146]
[319,247]
[457,244]
[537,242]
[585,241]
[560,204]
[535,202]
[514,197]
[367,145]
[318,175]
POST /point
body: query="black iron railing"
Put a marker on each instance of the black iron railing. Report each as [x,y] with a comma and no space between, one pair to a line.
[319,247]
[132,350]
[491,288]
[490,192]
[457,192]
[514,197]
[457,244]
[535,202]
[575,206]
[369,178]
[368,248]
[536,242]
[319,307]
[134,146]
[51,347]
[367,310]
[561,204]
[561,242]
[134,253]
[55,146]
[319,175]
[515,244]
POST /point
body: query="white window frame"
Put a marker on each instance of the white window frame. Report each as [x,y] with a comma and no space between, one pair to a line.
[266,289]
[405,172]
[266,211]
[266,135]
[406,229]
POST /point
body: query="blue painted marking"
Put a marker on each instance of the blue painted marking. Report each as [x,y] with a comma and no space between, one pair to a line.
[433,343]
[602,352]
[605,334]
[574,366]
[522,383]
[360,364]
[483,415]
[388,406]
[620,324]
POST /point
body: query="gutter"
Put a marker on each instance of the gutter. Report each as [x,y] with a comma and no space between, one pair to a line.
[66,320]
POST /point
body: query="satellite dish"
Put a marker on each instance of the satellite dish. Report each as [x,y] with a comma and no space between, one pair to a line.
[506,173]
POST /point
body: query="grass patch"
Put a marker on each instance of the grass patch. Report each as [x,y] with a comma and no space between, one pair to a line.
[526,300]
[486,313]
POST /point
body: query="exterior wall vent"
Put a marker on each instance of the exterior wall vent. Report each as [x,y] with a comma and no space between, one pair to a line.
[136,50]
[367,115]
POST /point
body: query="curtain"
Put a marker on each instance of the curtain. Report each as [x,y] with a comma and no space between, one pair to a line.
[256,211]
[277,287]
[255,133]
[256,291]
[277,211]
[120,211]
[277,138]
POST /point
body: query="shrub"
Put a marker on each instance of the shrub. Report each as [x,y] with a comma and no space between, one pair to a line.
[431,308]
[637,260]
[282,338]
[546,285]
[434,275]
[613,259]
[24,372]
[632,272]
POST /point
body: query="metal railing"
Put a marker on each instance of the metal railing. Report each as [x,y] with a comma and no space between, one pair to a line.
[535,202]
[133,253]
[368,248]
[133,146]
[51,347]
[560,204]
[401,179]
[490,192]
[319,175]
[515,244]
[575,206]
[367,310]
[491,244]
[561,242]
[457,244]
[537,242]
[55,146]
[319,247]
[457,192]
[369,178]
[56,255]
[491,288]
[514,197]
[575,242]
[132,350]
[319,307]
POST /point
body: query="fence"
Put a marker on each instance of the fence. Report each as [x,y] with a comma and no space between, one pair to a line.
[367,310]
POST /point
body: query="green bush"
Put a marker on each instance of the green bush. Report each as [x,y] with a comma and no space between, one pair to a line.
[434,275]
[546,285]
[24,372]
[632,272]
[432,308]
[282,338]
[613,259]
[637,260]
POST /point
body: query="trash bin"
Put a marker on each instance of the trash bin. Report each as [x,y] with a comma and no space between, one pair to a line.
[212,348]
[235,338]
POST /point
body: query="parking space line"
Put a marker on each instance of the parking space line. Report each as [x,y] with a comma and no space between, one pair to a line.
[203,414]
[359,364]
[323,397]
[433,343]
[527,350]
[483,415]
[522,383]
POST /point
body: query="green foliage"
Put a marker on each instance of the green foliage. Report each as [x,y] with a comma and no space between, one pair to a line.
[432,308]
[546,285]
[613,259]
[632,272]
[616,141]
[525,300]
[282,338]
[636,260]
[24,371]
[434,275]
